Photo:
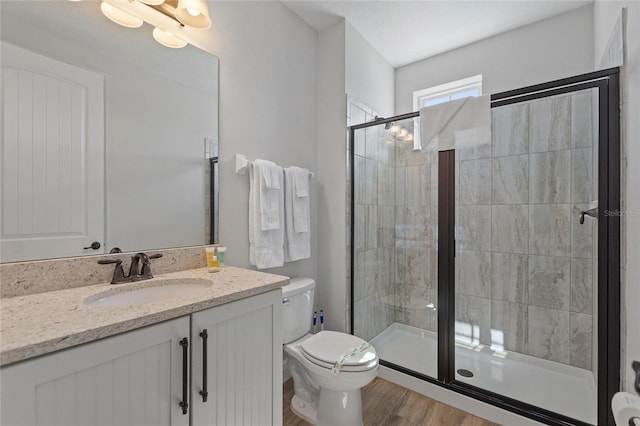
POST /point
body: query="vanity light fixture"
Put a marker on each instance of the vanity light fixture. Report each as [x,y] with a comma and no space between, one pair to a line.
[167,39]
[172,19]
[119,16]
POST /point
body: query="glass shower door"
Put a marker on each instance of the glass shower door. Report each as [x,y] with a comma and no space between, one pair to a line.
[526,256]
[395,217]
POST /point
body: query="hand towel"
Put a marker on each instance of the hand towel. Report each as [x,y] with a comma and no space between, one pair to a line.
[266,248]
[461,123]
[269,177]
[297,244]
[300,199]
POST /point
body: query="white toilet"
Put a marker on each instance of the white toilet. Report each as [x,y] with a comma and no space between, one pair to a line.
[322,397]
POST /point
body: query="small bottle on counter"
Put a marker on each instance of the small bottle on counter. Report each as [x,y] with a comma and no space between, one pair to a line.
[212,260]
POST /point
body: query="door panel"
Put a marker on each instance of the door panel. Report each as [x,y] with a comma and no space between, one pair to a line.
[52,172]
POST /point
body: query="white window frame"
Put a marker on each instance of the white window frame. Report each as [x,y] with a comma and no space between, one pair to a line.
[451,88]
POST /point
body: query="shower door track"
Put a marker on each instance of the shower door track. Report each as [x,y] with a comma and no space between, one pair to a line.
[608,281]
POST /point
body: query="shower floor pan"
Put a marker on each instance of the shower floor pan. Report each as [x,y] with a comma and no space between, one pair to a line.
[551,385]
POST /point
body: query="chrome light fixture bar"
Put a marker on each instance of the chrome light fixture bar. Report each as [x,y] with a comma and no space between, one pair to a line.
[172,19]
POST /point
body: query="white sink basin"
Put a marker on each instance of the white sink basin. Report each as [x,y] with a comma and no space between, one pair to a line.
[158,290]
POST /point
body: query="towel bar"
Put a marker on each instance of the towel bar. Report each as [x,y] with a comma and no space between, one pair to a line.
[242,165]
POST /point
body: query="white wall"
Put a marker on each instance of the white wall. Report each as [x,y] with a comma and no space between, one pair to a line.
[267,110]
[369,77]
[605,15]
[332,175]
[557,47]
[159,108]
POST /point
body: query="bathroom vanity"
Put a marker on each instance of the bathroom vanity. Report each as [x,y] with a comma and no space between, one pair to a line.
[209,356]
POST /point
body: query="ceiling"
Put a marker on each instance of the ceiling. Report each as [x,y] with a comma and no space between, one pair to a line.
[406,31]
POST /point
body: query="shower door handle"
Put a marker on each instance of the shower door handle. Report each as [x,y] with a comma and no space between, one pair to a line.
[591,212]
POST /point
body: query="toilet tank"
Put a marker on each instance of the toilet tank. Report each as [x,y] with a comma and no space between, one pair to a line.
[297,308]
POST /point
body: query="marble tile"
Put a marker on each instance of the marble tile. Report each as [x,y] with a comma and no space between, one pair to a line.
[359,142]
[371,143]
[581,340]
[549,177]
[509,277]
[473,320]
[417,307]
[509,326]
[432,278]
[417,186]
[510,130]
[549,229]
[548,334]
[582,236]
[401,154]
[509,231]
[386,225]
[433,187]
[359,277]
[474,152]
[582,122]
[359,179]
[417,266]
[510,180]
[400,269]
[400,186]
[371,229]
[386,185]
[360,226]
[417,224]
[550,124]
[415,157]
[371,281]
[582,188]
[475,182]
[370,182]
[582,285]
[550,282]
[473,273]
[387,150]
[472,232]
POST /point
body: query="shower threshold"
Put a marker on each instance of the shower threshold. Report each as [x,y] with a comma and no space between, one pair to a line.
[554,386]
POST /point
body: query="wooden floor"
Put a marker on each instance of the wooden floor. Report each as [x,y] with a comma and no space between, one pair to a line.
[385,403]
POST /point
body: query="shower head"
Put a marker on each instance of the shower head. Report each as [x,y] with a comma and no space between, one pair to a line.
[388,125]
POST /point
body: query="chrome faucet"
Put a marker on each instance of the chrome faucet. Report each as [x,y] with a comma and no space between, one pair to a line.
[140,268]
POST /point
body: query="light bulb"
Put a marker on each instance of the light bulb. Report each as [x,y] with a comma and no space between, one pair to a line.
[404,132]
[193,12]
[394,129]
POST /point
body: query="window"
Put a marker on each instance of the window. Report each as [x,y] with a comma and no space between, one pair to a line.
[458,89]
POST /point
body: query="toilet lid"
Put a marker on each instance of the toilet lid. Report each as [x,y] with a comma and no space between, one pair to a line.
[327,347]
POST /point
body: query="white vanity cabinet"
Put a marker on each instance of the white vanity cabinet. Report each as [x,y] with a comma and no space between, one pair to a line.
[134,378]
[243,363]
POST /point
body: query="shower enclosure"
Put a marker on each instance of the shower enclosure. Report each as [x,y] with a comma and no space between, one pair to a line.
[494,270]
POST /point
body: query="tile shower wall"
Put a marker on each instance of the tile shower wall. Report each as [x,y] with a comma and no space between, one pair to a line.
[524,264]
[374,157]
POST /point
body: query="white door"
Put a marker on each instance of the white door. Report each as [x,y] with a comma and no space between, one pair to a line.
[52,158]
[243,363]
[130,379]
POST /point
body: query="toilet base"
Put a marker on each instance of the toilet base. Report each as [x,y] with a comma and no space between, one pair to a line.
[307,410]
[335,408]
[340,408]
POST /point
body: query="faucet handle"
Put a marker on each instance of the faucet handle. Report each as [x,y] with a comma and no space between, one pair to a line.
[118,272]
[146,266]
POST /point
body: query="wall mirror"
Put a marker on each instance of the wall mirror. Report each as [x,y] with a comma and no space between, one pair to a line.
[108,138]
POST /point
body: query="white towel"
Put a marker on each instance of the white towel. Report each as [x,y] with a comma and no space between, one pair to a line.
[269,174]
[300,199]
[461,123]
[266,248]
[297,244]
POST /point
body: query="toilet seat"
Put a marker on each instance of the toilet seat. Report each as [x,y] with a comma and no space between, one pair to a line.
[327,347]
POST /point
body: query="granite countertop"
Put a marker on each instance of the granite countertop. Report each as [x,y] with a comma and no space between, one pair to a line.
[37,324]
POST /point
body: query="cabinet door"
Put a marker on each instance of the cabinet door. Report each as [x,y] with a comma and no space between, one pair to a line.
[133,378]
[244,363]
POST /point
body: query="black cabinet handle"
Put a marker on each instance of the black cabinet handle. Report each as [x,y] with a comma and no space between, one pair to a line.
[204,393]
[185,354]
[94,246]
